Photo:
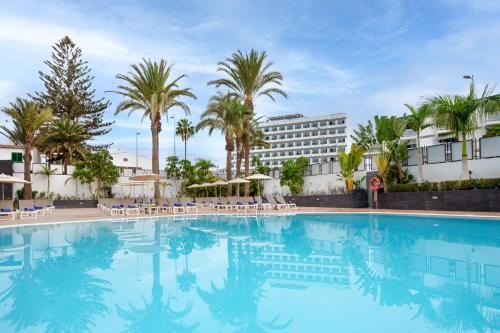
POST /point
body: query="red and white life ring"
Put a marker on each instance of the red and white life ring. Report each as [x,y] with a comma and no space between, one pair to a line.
[375,184]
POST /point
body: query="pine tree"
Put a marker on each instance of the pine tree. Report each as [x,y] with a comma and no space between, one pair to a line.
[68,89]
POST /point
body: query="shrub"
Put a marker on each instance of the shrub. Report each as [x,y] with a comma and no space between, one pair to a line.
[428,186]
[467,184]
[485,183]
[412,187]
[449,185]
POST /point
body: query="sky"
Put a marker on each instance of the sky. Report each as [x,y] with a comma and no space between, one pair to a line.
[358,57]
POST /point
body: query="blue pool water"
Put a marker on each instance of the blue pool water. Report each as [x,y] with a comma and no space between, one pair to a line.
[302,273]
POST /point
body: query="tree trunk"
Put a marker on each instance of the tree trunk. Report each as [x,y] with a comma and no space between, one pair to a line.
[386,184]
[155,159]
[420,174]
[27,193]
[65,162]
[48,186]
[185,148]
[465,162]
[247,123]
[228,172]
[239,154]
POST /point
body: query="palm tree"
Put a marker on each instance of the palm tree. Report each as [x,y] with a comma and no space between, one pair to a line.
[383,161]
[249,76]
[185,130]
[47,171]
[417,121]
[147,89]
[29,120]
[65,139]
[349,163]
[224,113]
[461,115]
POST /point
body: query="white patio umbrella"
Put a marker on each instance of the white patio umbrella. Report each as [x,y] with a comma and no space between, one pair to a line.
[218,184]
[8,179]
[206,185]
[258,177]
[134,184]
[238,181]
[194,186]
[147,177]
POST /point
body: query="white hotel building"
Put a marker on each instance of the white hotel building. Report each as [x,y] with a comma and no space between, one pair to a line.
[319,138]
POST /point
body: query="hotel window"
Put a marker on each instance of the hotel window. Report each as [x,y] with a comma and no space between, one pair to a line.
[333,140]
[324,150]
[332,131]
[282,137]
[282,145]
[289,144]
[289,135]
[274,137]
[282,128]
[298,152]
[268,163]
[266,129]
[306,134]
[324,142]
[341,131]
[290,153]
[323,123]
[307,152]
[267,154]
[267,138]
[274,129]
[341,122]
[298,126]
[274,145]
[315,160]
[275,162]
[307,143]
[324,132]
[314,124]
[298,135]
[314,142]
[298,144]
[314,133]
[282,153]
[324,159]
[289,127]
[341,140]
[333,150]
[306,126]
[331,123]
[314,151]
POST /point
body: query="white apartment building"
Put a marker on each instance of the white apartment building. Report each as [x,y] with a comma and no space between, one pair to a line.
[319,138]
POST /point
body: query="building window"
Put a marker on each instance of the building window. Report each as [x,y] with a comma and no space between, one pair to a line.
[315,160]
[314,133]
[298,144]
[341,122]
[306,126]
[314,124]
[333,159]
[282,153]
[289,144]
[298,135]
[333,140]
[282,145]
[282,128]
[314,151]
[266,129]
[324,142]
[341,140]
[274,129]
[324,150]
[290,153]
[282,137]
[289,127]
[332,131]
[297,126]
[314,143]
[306,152]
[290,135]
[274,145]
[323,124]
[324,159]
[324,132]
[341,131]
[274,137]
[307,143]
[331,123]
[333,150]
[298,152]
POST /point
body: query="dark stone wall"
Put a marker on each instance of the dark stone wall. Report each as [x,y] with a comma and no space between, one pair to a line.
[356,199]
[457,200]
[75,203]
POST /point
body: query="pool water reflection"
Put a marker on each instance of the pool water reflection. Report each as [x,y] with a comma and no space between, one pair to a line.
[301,273]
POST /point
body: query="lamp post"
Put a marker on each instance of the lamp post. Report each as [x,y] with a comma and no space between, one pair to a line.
[173,117]
[137,151]
[469,77]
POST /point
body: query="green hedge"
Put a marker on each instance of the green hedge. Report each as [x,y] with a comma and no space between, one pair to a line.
[449,185]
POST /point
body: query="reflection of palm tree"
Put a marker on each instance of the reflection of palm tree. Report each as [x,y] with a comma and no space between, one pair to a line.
[236,302]
[187,279]
[63,294]
[157,316]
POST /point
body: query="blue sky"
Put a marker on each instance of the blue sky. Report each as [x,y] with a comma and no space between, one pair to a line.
[359,57]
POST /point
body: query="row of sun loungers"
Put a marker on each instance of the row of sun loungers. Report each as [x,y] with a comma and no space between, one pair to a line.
[115,206]
[27,208]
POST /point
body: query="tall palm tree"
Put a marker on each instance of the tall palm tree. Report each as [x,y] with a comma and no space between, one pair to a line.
[224,113]
[462,114]
[382,161]
[65,139]
[417,121]
[29,121]
[185,130]
[47,171]
[249,76]
[147,89]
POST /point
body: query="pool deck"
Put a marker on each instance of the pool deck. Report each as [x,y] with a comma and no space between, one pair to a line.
[86,214]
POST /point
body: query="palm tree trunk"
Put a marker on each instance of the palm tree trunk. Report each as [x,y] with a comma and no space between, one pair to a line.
[155,160]
[420,176]
[246,144]
[27,193]
[465,162]
[185,148]
[239,155]
[65,162]
[228,171]
[48,186]
[386,183]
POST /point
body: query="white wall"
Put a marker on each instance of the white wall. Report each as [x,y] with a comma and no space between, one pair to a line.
[322,184]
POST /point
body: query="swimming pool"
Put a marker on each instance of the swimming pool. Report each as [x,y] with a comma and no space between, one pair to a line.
[300,273]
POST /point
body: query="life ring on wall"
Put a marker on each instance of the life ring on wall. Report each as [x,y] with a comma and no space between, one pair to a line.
[375,184]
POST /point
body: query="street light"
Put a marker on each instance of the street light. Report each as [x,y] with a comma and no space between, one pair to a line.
[469,77]
[173,117]
[137,151]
